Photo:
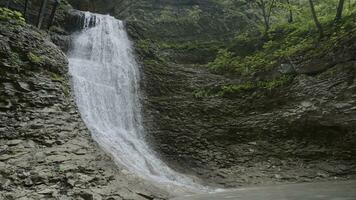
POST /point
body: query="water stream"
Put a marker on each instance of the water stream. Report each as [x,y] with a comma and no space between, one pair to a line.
[105,80]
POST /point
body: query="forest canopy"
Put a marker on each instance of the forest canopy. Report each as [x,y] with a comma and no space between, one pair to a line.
[284,28]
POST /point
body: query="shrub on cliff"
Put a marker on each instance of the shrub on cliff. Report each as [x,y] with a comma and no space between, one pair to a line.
[223,62]
[14,17]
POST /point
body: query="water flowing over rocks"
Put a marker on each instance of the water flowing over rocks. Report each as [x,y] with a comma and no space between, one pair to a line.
[46,151]
[106,83]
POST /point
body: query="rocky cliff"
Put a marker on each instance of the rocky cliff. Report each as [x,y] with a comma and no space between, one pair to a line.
[301,130]
[46,152]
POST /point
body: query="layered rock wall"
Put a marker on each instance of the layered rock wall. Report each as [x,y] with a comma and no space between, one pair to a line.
[46,152]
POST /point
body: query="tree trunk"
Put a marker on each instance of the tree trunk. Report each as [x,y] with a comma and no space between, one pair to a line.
[53,12]
[265,13]
[290,18]
[340,8]
[265,19]
[41,13]
[25,9]
[315,18]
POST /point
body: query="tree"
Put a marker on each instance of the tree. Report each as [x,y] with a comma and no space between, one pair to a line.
[266,7]
[316,20]
[290,18]
[25,9]
[41,13]
[340,8]
[53,12]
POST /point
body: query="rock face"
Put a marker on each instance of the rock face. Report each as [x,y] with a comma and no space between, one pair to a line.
[302,131]
[46,152]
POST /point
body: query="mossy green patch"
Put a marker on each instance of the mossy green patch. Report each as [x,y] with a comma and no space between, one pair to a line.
[56,77]
[14,17]
[188,15]
[34,59]
[223,61]
[145,46]
[234,89]
[274,83]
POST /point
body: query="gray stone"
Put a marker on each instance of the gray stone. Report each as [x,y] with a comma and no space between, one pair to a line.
[287,69]
[46,191]
[14,142]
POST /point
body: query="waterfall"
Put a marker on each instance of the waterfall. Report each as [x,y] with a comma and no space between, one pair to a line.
[105,78]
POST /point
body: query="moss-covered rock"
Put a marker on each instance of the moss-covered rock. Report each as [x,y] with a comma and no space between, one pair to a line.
[34,59]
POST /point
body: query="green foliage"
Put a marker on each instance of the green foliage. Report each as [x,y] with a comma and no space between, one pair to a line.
[243,38]
[235,89]
[34,59]
[190,45]
[189,15]
[64,5]
[201,94]
[223,61]
[268,84]
[282,42]
[56,77]
[11,16]
[194,13]
[167,15]
[143,45]
[274,83]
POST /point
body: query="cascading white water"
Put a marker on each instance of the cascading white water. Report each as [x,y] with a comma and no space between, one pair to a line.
[105,79]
